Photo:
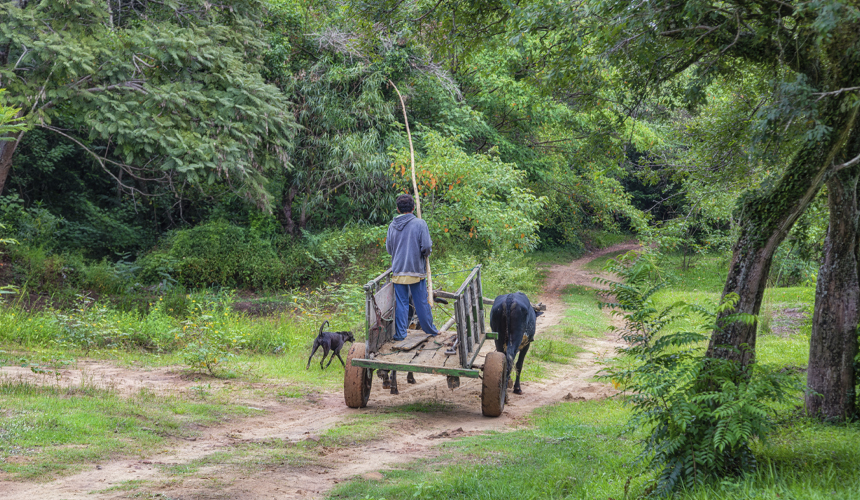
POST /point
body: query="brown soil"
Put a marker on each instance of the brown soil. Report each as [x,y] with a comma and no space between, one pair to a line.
[412,438]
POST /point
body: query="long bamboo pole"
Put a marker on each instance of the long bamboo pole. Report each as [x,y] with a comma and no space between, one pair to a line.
[415,189]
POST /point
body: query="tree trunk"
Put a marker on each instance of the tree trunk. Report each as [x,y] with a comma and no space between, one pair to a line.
[7,151]
[766,217]
[833,345]
[287,221]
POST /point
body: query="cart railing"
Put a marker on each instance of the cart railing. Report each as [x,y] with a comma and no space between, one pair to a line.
[379,311]
[469,316]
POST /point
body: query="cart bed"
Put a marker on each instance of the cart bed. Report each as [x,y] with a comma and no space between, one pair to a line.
[427,356]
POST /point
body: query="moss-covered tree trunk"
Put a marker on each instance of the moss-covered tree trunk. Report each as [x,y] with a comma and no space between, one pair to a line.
[833,344]
[767,215]
[7,151]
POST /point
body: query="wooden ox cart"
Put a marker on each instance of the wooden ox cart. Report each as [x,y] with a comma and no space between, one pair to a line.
[452,353]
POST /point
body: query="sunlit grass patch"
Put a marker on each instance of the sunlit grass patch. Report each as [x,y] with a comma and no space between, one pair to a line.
[582,317]
[48,430]
[600,262]
[360,428]
[247,457]
[555,351]
[425,406]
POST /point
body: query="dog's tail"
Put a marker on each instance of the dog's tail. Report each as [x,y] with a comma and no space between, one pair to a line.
[322,328]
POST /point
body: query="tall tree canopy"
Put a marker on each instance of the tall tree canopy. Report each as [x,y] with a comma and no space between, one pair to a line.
[164,95]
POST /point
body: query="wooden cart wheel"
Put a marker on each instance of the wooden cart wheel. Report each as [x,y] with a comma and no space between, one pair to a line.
[493,388]
[356,380]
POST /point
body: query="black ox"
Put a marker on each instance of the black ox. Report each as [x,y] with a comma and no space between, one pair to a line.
[513,318]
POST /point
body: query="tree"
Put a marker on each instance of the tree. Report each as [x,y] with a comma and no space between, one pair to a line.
[812,49]
[161,94]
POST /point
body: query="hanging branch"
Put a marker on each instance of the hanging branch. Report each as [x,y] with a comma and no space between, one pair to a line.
[415,189]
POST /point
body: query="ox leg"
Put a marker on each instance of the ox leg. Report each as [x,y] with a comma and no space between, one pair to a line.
[383,374]
[520,359]
[410,379]
[394,382]
[511,355]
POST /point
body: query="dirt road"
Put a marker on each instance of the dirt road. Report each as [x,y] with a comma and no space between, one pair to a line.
[411,438]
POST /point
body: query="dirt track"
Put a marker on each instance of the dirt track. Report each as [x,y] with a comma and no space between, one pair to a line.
[411,439]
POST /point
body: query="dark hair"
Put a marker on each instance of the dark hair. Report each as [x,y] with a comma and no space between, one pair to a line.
[405,203]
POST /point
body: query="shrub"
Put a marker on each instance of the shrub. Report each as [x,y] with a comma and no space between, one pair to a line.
[701,412]
[475,199]
[88,326]
[215,254]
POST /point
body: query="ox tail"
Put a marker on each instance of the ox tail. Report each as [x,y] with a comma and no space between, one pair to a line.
[506,314]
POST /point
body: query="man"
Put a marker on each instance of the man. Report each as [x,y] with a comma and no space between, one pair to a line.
[409,244]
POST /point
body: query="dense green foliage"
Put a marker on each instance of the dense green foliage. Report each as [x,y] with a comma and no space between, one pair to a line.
[168,93]
[171,169]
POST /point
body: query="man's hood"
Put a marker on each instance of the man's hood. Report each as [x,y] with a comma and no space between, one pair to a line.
[401,221]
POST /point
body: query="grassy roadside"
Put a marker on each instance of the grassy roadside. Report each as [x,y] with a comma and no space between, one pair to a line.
[47,430]
[579,450]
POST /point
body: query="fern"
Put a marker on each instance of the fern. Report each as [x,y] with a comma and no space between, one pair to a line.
[702,412]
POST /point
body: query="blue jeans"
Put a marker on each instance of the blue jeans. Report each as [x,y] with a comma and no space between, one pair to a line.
[422,308]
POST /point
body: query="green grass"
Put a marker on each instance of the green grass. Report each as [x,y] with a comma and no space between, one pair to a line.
[603,239]
[49,430]
[583,318]
[600,262]
[360,429]
[248,457]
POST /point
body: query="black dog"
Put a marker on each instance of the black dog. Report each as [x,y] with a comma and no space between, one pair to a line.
[330,341]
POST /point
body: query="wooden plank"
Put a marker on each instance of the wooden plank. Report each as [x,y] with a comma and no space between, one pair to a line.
[473,295]
[376,364]
[428,355]
[385,301]
[470,324]
[477,351]
[373,285]
[413,339]
[401,357]
[448,324]
[462,329]
[481,314]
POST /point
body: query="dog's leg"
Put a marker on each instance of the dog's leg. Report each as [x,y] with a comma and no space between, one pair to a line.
[325,353]
[314,351]
[334,352]
[338,357]
[394,382]
[410,379]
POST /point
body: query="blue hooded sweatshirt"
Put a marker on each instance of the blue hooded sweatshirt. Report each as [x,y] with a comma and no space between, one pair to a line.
[408,242]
